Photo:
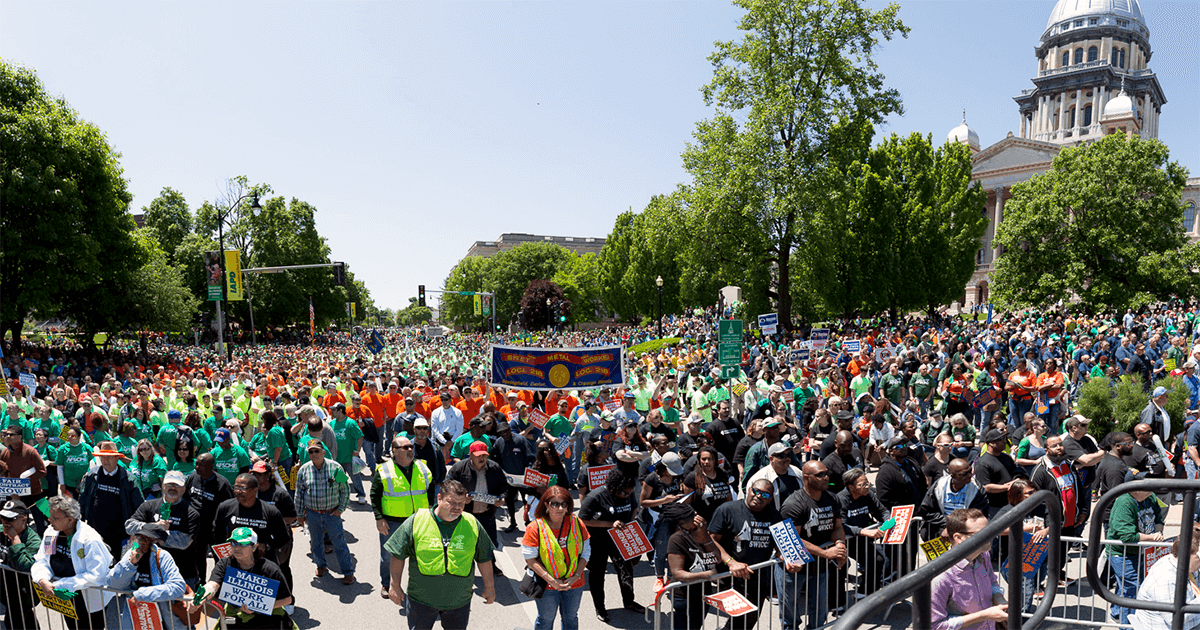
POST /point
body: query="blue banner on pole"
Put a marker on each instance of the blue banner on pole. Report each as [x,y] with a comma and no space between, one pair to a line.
[375,344]
[546,369]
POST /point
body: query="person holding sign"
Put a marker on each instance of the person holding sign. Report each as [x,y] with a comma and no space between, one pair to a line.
[818,519]
[17,548]
[71,564]
[692,556]
[445,544]
[968,595]
[21,461]
[245,605]
[609,507]
[149,572]
[484,479]
[556,548]
[742,533]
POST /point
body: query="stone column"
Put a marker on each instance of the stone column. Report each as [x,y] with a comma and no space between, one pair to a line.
[1078,112]
[1022,124]
[1096,105]
[1062,114]
[996,226]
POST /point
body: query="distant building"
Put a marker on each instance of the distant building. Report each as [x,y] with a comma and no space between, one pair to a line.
[139,219]
[580,245]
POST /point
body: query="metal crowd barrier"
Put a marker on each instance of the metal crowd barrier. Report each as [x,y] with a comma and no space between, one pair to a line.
[1178,607]
[789,599]
[23,609]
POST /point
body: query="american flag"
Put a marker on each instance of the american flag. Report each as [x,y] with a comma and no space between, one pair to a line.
[312,319]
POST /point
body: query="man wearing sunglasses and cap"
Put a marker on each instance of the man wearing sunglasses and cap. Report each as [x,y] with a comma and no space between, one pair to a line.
[17,546]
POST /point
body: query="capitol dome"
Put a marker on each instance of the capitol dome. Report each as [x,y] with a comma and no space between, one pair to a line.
[1066,11]
[964,134]
[1120,105]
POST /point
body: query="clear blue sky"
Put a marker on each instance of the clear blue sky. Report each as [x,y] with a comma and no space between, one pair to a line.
[419,128]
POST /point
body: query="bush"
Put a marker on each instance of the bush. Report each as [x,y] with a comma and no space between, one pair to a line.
[1118,407]
[1095,402]
[1128,404]
[654,345]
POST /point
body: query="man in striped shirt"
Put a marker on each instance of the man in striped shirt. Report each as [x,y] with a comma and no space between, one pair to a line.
[322,494]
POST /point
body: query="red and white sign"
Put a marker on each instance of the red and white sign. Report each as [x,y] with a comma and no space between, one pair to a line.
[612,405]
[903,515]
[223,550]
[631,540]
[597,475]
[145,615]
[539,418]
[1153,554]
[731,603]
[513,415]
[534,479]
[789,397]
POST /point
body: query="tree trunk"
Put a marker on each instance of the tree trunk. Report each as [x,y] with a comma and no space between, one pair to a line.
[784,289]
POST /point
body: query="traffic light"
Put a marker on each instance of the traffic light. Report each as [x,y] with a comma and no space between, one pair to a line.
[421,295]
[339,274]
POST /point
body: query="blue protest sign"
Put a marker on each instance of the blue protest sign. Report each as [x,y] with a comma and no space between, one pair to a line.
[375,344]
[10,486]
[796,356]
[853,345]
[788,541]
[769,323]
[819,337]
[242,588]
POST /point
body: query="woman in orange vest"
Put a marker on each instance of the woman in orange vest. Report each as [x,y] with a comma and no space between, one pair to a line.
[556,552]
[954,389]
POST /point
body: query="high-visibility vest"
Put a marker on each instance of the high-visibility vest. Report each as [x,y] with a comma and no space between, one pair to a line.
[435,557]
[402,498]
[551,554]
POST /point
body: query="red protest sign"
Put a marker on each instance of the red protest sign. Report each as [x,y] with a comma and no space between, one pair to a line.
[533,478]
[597,475]
[612,405]
[789,397]
[223,550]
[145,615]
[1153,554]
[731,603]
[631,540]
[903,515]
[539,418]
[513,415]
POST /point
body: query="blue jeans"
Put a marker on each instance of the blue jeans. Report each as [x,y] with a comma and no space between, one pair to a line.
[1051,418]
[356,483]
[555,602]
[385,558]
[1126,572]
[1017,410]
[789,586]
[371,453]
[659,536]
[1028,585]
[318,526]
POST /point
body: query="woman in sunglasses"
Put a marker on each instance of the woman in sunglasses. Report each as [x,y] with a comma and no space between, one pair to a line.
[556,549]
[147,470]
[242,557]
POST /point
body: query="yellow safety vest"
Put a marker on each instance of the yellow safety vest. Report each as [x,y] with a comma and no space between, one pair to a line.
[438,557]
[551,553]
[402,498]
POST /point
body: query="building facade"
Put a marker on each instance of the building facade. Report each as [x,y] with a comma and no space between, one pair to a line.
[1093,78]
[579,245]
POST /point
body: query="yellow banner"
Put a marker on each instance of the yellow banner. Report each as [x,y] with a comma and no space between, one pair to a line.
[233,276]
[353,309]
[478,304]
[57,604]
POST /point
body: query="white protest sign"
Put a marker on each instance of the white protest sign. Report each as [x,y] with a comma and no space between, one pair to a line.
[789,544]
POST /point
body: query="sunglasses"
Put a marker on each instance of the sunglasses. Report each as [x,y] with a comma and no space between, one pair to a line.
[241,544]
[402,448]
[557,504]
[314,450]
[762,494]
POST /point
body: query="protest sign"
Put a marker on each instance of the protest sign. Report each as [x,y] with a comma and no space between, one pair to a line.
[1153,554]
[62,435]
[903,515]
[513,415]
[852,345]
[222,550]
[4,386]
[485,498]
[28,381]
[55,603]
[738,389]
[612,405]
[883,353]
[563,445]
[533,478]
[10,486]
[539,418]
[789,544]
[799,356]
[1169,364]
[631,540]
[769,323]
[597,475]
[731,603]
[819,338]
[789,396]
[255,592]
[934,548]
[144,615]
[547,369]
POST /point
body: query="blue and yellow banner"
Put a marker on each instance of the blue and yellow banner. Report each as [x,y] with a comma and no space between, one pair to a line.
[375,344]
[545,369]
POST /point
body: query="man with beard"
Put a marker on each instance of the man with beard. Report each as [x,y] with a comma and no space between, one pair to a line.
[954,490]
[818,520]
[742,533]
[1056,473]
[1110,472]
[179,516]
[1144,454]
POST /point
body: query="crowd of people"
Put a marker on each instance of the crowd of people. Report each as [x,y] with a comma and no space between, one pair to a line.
[165,470]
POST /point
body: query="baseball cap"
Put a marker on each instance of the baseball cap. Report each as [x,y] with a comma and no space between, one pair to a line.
[671,461]
[174,414]
[244,536]
[176,477]
[775,389]
[153,530]
[339,407]
[629,395]
[772,422]
[1159,391]
[898,442]
[478,447]
[13,509]
[222,435]
[994,435]
[420,422]
[259,466]
[777,448]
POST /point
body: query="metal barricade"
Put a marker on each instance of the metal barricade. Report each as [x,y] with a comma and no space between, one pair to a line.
[1178,607]
[24,609]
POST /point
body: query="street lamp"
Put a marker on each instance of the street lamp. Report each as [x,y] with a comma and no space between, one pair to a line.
[255,209]
[548,317]
[658,282]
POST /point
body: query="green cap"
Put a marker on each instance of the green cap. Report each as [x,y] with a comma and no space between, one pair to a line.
[244,536]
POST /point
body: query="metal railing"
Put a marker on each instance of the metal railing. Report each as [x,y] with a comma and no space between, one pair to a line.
[1178,606]
[919,582]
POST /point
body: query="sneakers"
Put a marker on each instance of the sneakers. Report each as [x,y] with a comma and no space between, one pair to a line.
[362,500]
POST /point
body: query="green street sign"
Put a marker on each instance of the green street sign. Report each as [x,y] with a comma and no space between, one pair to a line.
[730,372]
[466,293]
[729,331]
[731,354]
[214,293]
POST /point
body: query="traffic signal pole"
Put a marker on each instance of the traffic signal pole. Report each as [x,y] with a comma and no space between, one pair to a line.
[422,290]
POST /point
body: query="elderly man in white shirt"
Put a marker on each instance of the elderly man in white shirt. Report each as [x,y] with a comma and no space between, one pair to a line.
[1159,586]
[447,424]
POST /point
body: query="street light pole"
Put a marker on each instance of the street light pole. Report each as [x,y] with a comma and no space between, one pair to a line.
[658,281]
[221,218]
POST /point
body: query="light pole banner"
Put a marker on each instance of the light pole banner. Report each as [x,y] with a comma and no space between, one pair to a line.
[233,276]
[212,273]
[478,304]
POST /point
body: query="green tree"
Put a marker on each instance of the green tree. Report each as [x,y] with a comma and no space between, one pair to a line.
[169,220]
[799,85]
[510,271]
[158,298]
[579,282]
[615,258]
[1102,225]
[65,230]
[470,274]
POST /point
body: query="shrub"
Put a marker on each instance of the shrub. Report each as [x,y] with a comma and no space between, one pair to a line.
[1128,404]
[651,346]
[1095,402]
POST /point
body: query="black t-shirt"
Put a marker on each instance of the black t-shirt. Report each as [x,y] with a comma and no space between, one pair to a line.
[601,505]
[184,517]
[838,466]
[61,565]
[1147,460]
[648,430]
[262,567]
[822,433]
[861,512]
[630,469]
[658,489]
[743,447]
[716,491]
[686,445]
[727,436]
[696,559]
[1078,448]
[1110,473]
[814,518]
[995,469]
[206,495]
[934,469]
[745,535]
[265,520]
[280,498]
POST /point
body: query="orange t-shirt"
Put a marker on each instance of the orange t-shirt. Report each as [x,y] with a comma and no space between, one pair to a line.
[376,404]
[393,404]
[362,412]
[533,537]
[333,397]
[1056,380]
[470,408]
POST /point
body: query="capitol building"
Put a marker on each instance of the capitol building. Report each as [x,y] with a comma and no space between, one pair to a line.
[1093,78]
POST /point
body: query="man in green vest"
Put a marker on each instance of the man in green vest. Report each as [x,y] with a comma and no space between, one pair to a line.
[444,543]
[402,488]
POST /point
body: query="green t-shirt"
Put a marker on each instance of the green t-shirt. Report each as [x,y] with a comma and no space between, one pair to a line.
[444,592]
[258,444]
[558,426]
[1127,518]
[143,430]
[53,428]
[128,446]
[347,433]
[48,452]
[184,467]
[74,461]
[230,460]
[302,441]
[461,448]
[921,385]
[146,476]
